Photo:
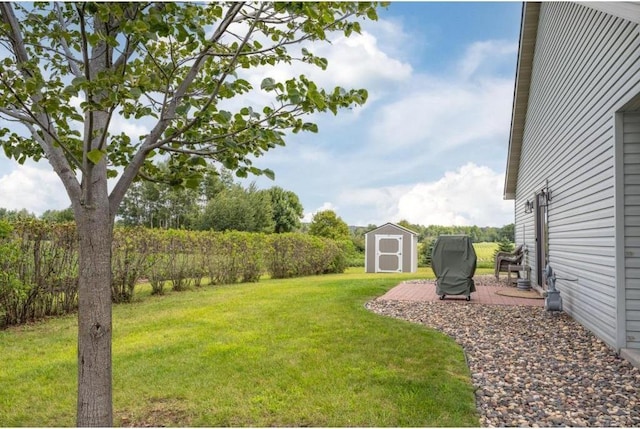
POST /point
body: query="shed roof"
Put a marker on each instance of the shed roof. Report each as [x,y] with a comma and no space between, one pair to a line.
[394,225]
[528,33]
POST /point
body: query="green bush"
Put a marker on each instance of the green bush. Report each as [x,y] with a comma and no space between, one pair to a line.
[295,254]
[504,245]
[425,249]
[39,265]
[12,290]
[130,259]
[39,262]
[235,256]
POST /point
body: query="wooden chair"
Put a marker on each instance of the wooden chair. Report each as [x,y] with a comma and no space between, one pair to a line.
[505,259]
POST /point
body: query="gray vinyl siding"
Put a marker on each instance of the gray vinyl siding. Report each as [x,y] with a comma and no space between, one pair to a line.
[631,138]
[585,64]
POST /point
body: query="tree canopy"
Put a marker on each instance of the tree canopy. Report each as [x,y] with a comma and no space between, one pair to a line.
[107,90]
[328,224]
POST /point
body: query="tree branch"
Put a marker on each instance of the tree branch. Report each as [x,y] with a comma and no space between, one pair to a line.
[18,115]
[55,155]
[220,81]
[169,109]
[65,46]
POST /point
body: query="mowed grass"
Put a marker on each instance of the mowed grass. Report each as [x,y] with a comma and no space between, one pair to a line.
[297,352]
[484,253]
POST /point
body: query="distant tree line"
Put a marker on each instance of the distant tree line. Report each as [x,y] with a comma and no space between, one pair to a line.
[427,234]
[217,203]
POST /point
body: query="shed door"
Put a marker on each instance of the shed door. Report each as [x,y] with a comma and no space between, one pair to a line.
[388,253]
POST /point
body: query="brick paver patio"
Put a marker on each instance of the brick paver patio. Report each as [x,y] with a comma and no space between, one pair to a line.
[482,295]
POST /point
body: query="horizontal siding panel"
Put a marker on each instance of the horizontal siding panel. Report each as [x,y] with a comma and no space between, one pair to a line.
[631,142]
[585,62]
[632,219]
[598,212]
[632,273]
[631,242]
[633,315]
[599,322]
[632,262]
[631,189]
[599,197]
[631,128]
[632,293]
[632,137]
[632,179]
[632,200]
[593,278]
[597,227]
[584,252]
[632,231]
[631,160]
[569,232]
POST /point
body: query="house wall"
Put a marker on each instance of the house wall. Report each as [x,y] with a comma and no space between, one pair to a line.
[586,63]
[631,159]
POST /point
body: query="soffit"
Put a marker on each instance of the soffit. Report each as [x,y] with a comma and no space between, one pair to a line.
[526,50]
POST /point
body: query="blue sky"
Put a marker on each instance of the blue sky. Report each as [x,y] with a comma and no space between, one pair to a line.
[430,145]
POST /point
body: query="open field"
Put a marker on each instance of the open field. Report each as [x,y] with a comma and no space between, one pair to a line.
[484,252]
[296,352]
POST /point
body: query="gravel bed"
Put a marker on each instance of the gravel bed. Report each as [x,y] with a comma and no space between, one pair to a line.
[531,368]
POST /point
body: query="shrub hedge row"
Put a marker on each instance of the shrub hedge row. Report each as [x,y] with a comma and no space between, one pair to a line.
[39,263]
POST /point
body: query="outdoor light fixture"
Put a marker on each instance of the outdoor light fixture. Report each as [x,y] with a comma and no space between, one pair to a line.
[546,194]
[528,206]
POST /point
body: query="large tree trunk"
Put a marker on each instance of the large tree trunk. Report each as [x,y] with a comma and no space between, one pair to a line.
[95,230]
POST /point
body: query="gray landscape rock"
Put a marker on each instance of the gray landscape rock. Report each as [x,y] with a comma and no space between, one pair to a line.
[531,368]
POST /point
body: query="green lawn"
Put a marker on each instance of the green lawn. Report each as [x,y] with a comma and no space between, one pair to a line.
[298,352]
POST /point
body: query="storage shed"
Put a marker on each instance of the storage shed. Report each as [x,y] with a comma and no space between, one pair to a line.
[391,248]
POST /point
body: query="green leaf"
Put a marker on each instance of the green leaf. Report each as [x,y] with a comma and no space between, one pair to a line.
[78,81]
[269,173]
[136,92]
[197,160]
[317,99]
[268,84]
[308,126]
[95,155]
[192,183]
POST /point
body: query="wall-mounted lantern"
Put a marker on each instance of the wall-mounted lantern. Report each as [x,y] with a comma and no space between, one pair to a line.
[545,193]
[528,206]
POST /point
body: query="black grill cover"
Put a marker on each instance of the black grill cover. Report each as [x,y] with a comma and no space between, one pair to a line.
[454,263]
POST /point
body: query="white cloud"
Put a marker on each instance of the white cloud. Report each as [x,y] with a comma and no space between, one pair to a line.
[133,129]
[357,62]
[471,195]
[308,217]
[482,57]
[441,114]
[33,189]
[354,62]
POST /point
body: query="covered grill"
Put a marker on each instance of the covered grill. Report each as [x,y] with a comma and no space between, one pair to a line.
[454,263]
